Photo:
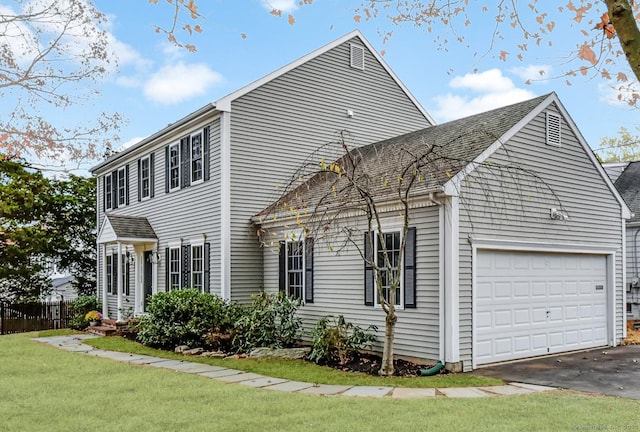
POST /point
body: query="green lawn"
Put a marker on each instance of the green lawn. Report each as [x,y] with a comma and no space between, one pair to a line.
[299,370]
[48,389]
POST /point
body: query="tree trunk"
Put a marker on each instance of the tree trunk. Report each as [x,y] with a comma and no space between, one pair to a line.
[386,369]
[626,27]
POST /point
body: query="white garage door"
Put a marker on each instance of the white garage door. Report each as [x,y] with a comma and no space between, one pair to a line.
[529,304]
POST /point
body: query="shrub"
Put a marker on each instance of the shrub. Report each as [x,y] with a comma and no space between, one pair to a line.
[184,317]
[336,339]
[270,321]
[79,308]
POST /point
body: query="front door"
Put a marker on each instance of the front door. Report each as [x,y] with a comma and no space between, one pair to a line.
[147,281]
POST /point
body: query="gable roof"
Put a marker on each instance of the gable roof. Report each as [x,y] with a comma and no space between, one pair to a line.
[450,152]
[224,103]
[126,228]
[628,184]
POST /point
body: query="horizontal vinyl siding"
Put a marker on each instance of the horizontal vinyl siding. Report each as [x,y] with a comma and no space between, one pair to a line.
[501,206]
[179,215]
[275,127]
[339,289]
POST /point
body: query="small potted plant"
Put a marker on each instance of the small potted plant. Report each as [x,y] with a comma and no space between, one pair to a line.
[94,317]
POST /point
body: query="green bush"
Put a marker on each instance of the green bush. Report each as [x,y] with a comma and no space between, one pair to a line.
[184,317]
[79,308]
[337,340]
[270,321]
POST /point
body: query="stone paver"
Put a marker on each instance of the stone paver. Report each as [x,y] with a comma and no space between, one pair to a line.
[325,389]
[463,392]
[368,391]
[263,382]
[408,393]
[74,344]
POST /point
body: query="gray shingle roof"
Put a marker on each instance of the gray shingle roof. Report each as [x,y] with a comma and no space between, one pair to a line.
[440,152]
[131,227]
[628,185]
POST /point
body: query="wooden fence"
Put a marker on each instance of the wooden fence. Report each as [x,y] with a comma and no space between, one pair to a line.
[26,317]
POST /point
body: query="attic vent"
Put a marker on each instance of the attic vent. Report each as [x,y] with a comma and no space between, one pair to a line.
[357,57]
[553,129]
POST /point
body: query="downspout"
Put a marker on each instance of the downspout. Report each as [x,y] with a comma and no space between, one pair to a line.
[431,371]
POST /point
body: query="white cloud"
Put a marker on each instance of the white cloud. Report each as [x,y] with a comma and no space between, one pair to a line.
[533,73]
[282,5]
[179,82]
[125,145]
[475,93]
[618,95]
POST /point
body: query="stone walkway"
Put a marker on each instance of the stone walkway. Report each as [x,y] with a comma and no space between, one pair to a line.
[74,343]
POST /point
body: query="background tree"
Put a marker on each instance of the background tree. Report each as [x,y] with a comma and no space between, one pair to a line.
[44,222]
[624,147]
[52,54]
[335,203]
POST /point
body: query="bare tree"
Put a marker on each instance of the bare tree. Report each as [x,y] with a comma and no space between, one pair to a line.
[52,53]
[328,200]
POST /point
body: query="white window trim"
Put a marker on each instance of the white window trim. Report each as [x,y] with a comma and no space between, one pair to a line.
[121,171]
[197,242]
[177,145]
[142,159]
[294,237]
[201,133]
[174,245]
[388,229]
[108,191]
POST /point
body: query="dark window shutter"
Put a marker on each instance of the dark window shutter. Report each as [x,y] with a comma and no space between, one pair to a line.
[104,193]
[369,283]
[152,177]
[410,269]
[114,189]
[283,267]
[186,266]
[126,184]
[109,264]
[115,264]
[207,269]
[185,161]
[139,180]
[166,270]
[127,282]
[308,270]
[205,153]
[166,170]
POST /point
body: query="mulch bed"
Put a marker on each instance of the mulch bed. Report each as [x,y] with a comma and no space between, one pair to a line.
[370,364]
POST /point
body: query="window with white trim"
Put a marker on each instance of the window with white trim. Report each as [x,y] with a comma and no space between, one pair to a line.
[387,259]
[296,269]
[197,267]
[109,271]
[196,157]
[122,187]
[145,177]
[108,188]
[174,167]
[174,268]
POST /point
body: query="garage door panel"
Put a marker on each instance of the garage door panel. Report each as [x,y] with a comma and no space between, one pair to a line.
[529,304]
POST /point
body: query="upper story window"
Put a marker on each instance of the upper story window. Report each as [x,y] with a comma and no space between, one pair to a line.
[116,188]
[174,166]
[146,177]
[296,269]
[196,158]
[187,161]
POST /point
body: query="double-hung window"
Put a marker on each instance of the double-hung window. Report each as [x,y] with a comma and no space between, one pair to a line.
[197,267]
[387,259]
[122,186]
[145,177]
[384,251]
[174,268]
[109,271]
[174,166]
[196,157]
[108,192]
[296,269]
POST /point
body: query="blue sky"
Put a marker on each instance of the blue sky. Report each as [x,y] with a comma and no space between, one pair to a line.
[158,83]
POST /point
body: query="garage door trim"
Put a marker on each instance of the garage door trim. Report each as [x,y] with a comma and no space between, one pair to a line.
[533,247]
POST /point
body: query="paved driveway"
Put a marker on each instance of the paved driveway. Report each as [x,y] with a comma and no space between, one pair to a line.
[609,371]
